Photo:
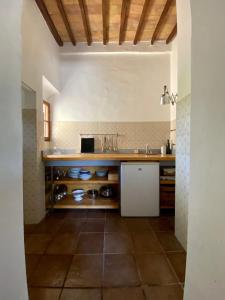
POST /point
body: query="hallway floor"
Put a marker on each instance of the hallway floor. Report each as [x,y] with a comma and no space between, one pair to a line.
[82,255]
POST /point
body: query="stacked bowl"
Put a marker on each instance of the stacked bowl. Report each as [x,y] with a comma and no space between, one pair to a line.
[101,173]
[78,194]
[74,173]
[85,174]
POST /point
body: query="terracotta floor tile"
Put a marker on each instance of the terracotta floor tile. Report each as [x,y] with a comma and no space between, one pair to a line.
[146,242]
[169,242]
[115,225]
[31,264]
[118,242]
[44,294]
[71,225]
[51,271]
[37,243]
[93,225]
[77,214]
[96,214]
[120,270]
[48,225]
[155,270]
[90,243]
[115,213]
[81,294]
[87,233]
[85,271]
[173,292]
[131,293]
[58,214]
[178,261]
[138,224]
[29,228]
[63,243]
[162,224]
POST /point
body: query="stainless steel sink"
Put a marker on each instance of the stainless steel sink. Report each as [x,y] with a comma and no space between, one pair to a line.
[130,151]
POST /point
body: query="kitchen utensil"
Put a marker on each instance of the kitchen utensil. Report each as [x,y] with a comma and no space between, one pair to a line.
[60,191]
[83,171]
[85,176]
[92,194]
[78,194]
[101,173]
[163,150]
[74,173]
[106,191]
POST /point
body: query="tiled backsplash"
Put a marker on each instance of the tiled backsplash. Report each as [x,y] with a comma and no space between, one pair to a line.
[29,165]
[182,168]
[132,135]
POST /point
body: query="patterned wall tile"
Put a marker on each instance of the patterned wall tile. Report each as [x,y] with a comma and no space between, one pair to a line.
[182,167]
[30,172]
[132,135]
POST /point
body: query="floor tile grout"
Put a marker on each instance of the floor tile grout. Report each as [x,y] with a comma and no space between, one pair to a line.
[104,253]
[168,261]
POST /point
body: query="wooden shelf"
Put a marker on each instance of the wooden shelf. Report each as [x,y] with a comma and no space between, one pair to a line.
[93,180]
[86,203]
[167,182]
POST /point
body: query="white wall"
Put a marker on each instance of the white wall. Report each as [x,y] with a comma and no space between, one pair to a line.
[113,87]
[40,57]
[206,222]
[184,48]
[12,264]
[173,76]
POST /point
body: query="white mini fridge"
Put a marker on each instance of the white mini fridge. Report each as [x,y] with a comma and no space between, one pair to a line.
[140,189]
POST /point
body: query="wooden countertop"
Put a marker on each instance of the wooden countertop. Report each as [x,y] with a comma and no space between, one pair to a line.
[109,156]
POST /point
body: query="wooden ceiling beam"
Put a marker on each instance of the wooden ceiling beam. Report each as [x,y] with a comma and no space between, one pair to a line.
[161,21]
[105,21]
[41,5]
[141,24]
[66,21]
[84,14]
[172,34]
[123,21]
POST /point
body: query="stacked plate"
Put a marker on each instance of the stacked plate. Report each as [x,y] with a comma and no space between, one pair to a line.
[74,173]
[85,174]
[78,194]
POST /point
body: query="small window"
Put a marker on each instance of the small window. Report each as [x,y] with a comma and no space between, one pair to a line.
[46,111]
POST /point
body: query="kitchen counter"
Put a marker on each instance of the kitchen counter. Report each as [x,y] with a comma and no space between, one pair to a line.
[108,156]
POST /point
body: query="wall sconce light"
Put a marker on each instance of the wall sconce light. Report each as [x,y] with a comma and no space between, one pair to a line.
[166,98]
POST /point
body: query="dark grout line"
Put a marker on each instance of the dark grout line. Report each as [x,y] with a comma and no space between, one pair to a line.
[132,253]
[168,261]
[103,260]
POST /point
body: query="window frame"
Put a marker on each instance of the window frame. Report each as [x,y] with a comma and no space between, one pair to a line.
[48,121]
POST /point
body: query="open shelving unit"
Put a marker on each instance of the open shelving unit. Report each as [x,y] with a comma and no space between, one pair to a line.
[94,183]
[93,180]
[167,189]
[100,203]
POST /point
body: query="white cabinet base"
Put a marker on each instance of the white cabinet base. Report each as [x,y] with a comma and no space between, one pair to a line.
[140,189]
